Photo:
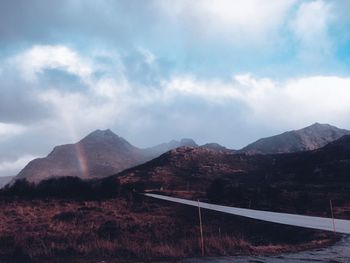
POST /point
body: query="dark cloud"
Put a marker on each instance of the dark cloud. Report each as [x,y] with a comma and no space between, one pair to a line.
[73,21]
[19,102]
[186,117]
[61,80]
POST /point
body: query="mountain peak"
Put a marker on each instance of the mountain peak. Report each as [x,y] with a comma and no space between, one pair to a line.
[103,136]
[322,129]
[318,125]
[311,137]
[102,133]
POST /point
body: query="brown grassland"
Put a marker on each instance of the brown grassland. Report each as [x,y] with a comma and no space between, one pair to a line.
[134,228]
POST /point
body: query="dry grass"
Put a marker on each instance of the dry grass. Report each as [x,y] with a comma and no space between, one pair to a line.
[122,230]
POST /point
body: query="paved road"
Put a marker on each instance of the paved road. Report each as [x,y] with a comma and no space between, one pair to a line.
[321,223]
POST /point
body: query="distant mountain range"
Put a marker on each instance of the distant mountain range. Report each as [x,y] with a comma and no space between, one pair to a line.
[103,153]
[195,169]
[99,154]
[306,139]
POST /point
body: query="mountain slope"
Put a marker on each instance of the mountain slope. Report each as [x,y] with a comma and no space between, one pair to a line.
[199,166]
[186,167]
[309,138]
[99,154]
[291,182]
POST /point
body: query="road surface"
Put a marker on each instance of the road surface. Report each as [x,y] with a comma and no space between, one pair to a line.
[321,223]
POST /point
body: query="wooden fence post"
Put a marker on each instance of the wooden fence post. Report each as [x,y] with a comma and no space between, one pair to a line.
[330,203]
[201,228]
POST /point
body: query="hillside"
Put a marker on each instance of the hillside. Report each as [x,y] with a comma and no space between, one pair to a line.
[188,167]
[278,182]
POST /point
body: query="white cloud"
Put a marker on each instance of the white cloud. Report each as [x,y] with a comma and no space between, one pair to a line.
[107,98]
[77,113]
[9,130]
[110,98]
[113,100]
[40,57]
[310,28]
[235,20]
[187,102]
[301,101]
[292,103]
[213,90]
[311,21]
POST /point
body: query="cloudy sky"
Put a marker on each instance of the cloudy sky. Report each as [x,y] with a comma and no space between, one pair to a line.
[213,70]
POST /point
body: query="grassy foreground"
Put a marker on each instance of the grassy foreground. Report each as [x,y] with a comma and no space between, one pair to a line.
[134,229]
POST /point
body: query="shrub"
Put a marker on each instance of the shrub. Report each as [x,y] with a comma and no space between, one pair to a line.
[19,188]
[109,230]
[216,191]
[64,187]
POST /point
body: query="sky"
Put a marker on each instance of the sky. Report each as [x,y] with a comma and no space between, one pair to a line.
[213,70]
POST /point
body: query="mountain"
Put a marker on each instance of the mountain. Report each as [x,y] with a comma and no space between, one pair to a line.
[198,166]
[308,138]
[292,182]
[103,153]
[99,154]
[186,166]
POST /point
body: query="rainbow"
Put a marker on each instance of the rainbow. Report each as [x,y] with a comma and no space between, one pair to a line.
[82,160]
[79,149]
